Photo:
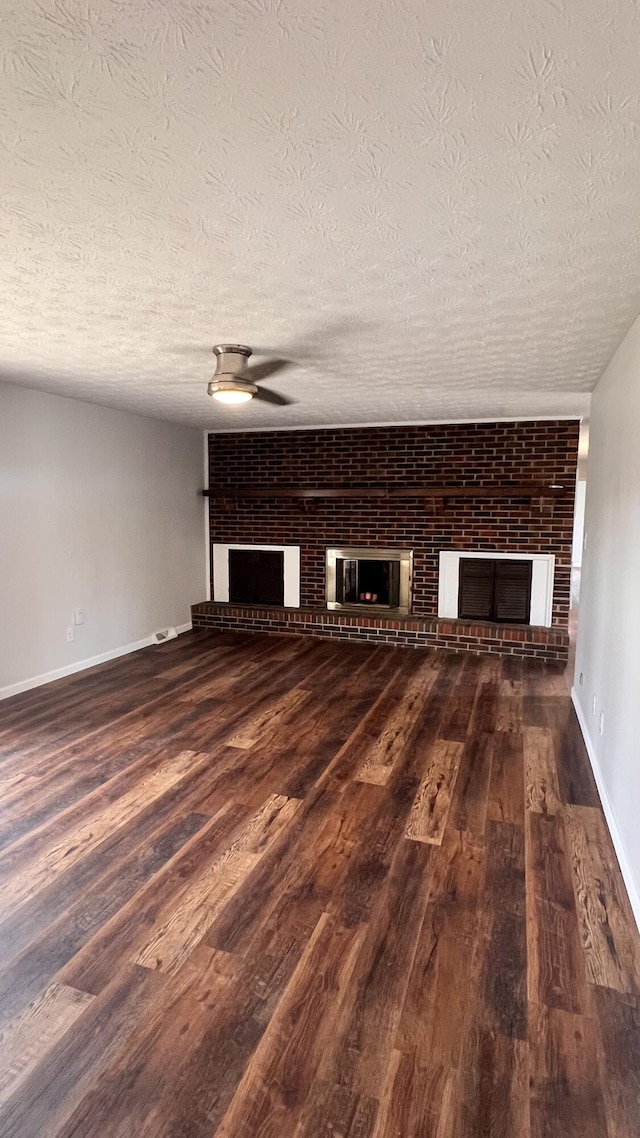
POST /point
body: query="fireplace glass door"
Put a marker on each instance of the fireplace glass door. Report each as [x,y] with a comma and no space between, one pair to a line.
[368,582]
[369,579]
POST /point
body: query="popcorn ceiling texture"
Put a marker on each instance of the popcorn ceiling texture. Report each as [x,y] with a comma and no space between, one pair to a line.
[430,207]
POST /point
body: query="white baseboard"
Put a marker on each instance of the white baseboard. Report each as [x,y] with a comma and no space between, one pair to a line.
[631,885]
[80,665]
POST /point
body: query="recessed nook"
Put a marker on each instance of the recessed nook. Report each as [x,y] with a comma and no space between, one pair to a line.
[256,574]
[541,585]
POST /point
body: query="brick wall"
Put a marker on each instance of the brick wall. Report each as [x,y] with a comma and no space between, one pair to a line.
[486,454]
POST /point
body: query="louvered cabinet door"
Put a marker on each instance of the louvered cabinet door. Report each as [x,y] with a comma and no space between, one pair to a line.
[494,590]
[512,591]
[256,576]
[475,596]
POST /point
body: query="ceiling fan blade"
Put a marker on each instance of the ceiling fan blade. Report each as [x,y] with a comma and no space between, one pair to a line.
[262,371]
[273,397]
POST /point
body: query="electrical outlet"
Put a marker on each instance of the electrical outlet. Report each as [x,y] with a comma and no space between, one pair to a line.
[601,723]
[70,635]
[581,680]
[78,616]
[594,703]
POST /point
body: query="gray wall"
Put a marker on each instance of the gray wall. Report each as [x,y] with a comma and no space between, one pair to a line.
[99,510]
[608,648]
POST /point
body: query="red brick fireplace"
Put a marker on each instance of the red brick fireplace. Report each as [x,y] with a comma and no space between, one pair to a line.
[483,488]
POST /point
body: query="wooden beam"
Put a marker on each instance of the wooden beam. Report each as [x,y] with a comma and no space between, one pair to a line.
[509,490]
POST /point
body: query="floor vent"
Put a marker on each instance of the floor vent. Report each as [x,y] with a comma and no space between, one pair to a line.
[164,634]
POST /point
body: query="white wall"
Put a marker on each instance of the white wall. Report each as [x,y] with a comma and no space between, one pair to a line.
[578,523]
[98,510]
[608,648]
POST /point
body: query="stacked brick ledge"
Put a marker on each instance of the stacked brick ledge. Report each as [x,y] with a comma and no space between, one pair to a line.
[547,644]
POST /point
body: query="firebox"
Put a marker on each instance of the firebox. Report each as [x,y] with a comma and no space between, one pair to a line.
[360,579]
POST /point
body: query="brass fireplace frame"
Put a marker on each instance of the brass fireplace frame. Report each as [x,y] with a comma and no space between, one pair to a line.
[403,556]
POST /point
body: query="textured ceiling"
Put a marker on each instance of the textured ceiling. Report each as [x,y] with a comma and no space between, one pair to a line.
[432,208]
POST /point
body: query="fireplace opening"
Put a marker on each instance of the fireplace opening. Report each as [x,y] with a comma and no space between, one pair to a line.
[256,576]
[368,582]
[498,591]
[369,579]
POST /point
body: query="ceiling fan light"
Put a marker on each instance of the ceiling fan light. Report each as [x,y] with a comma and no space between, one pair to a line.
[232,390]
[229,395]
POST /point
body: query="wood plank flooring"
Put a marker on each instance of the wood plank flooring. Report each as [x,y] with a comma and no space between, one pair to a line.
[280,887]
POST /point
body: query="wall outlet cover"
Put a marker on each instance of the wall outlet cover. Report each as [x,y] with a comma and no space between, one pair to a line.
[70,635]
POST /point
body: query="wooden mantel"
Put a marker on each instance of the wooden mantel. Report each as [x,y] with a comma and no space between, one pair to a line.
[508,490]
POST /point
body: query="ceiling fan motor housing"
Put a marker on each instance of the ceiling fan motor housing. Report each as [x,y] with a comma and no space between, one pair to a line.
[231,359]
[234,382]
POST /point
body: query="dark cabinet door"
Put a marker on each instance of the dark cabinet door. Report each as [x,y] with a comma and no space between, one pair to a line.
[494,590]
[475,596]
[256,576]
[512,591]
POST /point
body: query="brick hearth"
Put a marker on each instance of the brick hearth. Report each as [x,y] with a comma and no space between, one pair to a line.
[551,644]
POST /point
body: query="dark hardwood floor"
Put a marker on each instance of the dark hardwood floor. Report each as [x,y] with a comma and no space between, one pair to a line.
[278,887]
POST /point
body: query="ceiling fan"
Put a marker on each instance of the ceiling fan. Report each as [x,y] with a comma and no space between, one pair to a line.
[234,382]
